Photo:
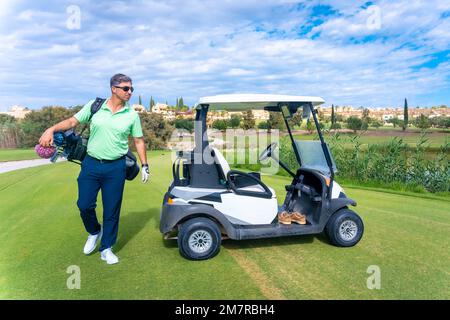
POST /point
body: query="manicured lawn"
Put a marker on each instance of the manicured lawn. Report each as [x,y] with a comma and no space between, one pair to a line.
[17,154]
[41,233]
[435,139]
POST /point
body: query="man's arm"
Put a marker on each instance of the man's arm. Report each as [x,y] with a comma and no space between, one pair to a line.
[140,147]
[46,139]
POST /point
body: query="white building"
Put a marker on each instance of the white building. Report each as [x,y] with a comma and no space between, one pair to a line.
[18,112]
[261,114]
[160,108]
[139,108]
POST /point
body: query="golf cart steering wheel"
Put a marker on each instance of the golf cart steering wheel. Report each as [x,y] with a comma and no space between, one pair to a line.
[268,152]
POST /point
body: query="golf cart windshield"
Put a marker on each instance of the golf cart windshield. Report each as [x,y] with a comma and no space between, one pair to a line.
[312,156]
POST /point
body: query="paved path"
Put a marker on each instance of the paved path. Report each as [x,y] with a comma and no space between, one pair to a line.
[16,165]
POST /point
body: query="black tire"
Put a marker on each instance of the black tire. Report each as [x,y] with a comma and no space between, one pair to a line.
[196,232]
[345,228]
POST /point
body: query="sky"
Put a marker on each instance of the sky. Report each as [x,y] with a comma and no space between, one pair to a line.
[359,53]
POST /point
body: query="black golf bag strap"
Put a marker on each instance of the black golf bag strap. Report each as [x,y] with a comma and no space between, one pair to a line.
[95,106]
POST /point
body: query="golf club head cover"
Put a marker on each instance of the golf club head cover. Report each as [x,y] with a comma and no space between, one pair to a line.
[45,152]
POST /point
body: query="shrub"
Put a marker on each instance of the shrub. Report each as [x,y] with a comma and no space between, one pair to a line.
[263,125]
[354,123]
[220,124]
[36,122]
[9,132]
[234,121]
[157,131]
[336,125]
[186,124]
[393,163]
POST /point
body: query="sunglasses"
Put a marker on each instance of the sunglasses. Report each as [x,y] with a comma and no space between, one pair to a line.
[126,89]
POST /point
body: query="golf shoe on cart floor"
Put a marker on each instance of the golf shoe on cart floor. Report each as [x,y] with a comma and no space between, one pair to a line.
[207,201]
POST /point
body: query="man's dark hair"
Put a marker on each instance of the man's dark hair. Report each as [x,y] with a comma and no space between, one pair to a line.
[118,79]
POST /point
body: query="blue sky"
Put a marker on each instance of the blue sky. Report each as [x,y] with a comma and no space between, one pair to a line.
[356,53]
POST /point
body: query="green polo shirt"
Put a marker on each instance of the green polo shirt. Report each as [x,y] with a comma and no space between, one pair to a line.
[109,132]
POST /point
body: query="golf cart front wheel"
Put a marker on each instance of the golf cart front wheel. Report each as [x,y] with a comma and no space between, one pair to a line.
[345,228]
[199,239]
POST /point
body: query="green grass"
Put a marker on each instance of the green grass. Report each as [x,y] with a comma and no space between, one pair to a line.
[17,154]
[41,233]
[435,139]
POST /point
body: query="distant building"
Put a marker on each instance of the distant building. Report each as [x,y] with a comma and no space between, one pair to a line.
[139,108]
[387,113]
[261,114]
[185,114]
[160,108]
[17,112]
[164,110]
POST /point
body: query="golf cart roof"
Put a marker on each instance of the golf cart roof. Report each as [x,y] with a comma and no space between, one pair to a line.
[254,101]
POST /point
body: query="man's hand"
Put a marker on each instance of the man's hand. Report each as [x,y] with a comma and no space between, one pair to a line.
[46,140]
[145,173]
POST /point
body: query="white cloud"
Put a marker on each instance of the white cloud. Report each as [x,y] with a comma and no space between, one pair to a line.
[200,48]
[238,72]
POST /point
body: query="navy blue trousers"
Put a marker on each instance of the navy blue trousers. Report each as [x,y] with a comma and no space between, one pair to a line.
[109,177]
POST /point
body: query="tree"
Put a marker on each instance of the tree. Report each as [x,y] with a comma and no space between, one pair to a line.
[354,123]
[186,124]
[157,131]
[152,104]
[395,121]
[365,119]
[264,125]
[309,126]
[275,121]
[235,121]
[422,122]
[180,104]
[296,120]
[440,122]
[405,115]
[248,120]
[364,124]
[320,114]
[9,132]
[336,126]
[333,118]
[36,122]
[220,124]
[7,119]
[366,115]
[376,123]
[140,100]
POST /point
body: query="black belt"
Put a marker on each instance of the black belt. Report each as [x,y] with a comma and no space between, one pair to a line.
[105,160]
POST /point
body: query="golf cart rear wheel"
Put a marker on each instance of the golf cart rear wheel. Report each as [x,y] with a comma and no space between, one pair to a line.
[199,239]
[345,228]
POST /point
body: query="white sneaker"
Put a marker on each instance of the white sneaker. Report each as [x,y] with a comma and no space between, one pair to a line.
[108,256]
[91,242]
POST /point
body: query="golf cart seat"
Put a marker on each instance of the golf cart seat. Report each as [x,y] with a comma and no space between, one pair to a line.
[244,183]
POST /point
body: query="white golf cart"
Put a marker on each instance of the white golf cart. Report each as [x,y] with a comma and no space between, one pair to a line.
[207,201]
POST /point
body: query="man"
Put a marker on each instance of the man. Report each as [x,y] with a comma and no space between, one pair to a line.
[104,166]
